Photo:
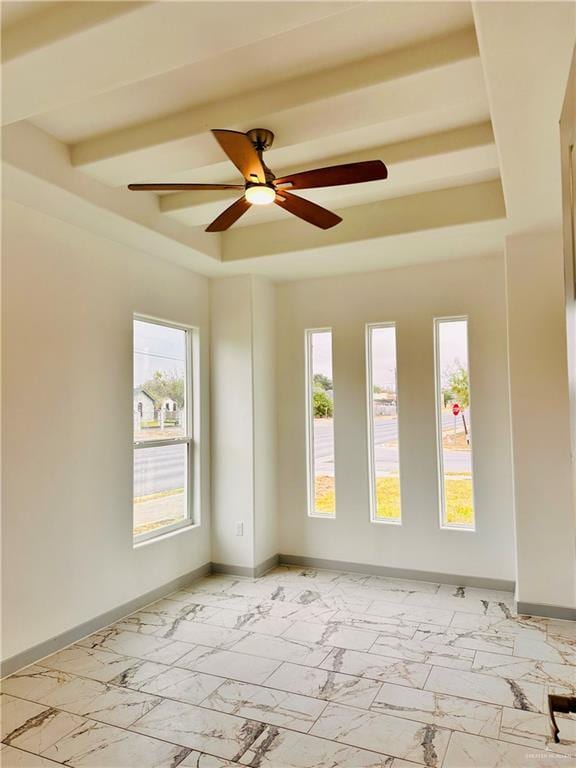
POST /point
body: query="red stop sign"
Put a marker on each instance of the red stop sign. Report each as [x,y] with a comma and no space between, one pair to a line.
[455,409]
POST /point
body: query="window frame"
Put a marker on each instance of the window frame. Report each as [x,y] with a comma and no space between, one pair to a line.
[445,526]
[309,410]
[190,438]
[370,422]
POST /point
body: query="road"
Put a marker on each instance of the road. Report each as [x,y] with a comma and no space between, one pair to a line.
[386,458]
[163,470]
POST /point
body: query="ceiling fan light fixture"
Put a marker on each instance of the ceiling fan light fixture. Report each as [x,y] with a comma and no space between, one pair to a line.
[260,194]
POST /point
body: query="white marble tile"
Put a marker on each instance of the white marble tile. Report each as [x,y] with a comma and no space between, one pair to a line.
[535,730]
[522,625]
[19,715]
[374,623]
[445,602]
[325,685]
[525,670]
[359,592]
[402,585]
[334,635]
[32,727]
[477,593]
[467,751]
[377,667]
[474,640]
[202,760]
[565,630]
[264,591]
[203,634]
[410,613]
[333,601]
[422,743]
[81,696]
[169,682]
[162,620]
[132,644]
[276,707]
[438,709]
[96,745]
[550,648]
[282,649]
[34,682]
[426,653]
[237,666]
[16,758]
[488,688]
[297,575]
[259,621]
[278,748]
[217,733]
[88,662]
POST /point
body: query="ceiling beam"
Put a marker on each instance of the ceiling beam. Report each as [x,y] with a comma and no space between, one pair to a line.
[439,78]
[36,172]
[425,211]
[109,45]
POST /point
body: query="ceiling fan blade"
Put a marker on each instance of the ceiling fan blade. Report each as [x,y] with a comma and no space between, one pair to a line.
[174,187]
[305,209]
[241,151]
[229,216]
[335,175]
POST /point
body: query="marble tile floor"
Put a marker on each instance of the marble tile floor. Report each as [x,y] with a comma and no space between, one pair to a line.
[301,668]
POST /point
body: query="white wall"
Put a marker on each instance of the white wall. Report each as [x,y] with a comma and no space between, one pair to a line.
[243,420]
[232,419]
[545,522]
[68,301]
[411,297]
[265,403]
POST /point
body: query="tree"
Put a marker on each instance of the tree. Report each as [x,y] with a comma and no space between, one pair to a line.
[323,408]
[459,386]
[322,382]
[164,386]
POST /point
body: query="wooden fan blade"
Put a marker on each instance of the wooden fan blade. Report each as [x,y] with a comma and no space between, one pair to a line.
[335,175]
[229,216]
[174,187]
[305,209]
[241,151]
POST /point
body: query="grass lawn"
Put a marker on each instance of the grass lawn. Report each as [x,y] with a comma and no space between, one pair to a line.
[458,498]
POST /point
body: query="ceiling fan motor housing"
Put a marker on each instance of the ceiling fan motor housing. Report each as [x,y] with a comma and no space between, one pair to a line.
[261,138]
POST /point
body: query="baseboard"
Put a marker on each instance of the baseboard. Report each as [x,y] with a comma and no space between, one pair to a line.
[54,644]
[399,573]
[547,611]
[246,570]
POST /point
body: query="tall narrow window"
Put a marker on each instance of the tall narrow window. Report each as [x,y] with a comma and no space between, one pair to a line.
[384,454]
[454,426]
[162,428]
[320,416]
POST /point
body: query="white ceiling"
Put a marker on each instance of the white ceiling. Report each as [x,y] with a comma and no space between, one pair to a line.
[97,95]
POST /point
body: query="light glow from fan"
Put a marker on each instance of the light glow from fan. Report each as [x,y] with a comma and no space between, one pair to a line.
[260,194]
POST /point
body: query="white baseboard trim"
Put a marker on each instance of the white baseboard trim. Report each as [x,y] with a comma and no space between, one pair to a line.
[547,611]
[399,573]
[246,570]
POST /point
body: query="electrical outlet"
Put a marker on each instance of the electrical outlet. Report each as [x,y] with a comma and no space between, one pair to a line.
[239,528]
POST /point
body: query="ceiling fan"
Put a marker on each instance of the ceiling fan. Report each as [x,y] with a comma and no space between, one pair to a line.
[261,187]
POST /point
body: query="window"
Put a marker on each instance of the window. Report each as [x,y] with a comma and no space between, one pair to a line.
[320,423]
[383,450]
[163,443]
[454,426]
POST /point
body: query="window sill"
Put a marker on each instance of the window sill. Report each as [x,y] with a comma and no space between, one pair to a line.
[137,544]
